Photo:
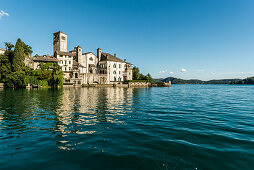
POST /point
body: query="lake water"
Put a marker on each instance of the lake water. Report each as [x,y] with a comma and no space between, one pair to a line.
[182,127]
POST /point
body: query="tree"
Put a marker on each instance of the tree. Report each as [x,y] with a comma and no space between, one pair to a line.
[149,77]
[5,67]
[8,45]
[27,49]
[57,77]
[18,60]
[135,73]
[9,52]
[142,77]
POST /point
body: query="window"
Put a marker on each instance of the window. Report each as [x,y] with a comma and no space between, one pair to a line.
[69,62]
[115,78]
[76,75]
[119,79]
[61,55]
[114,72]
[61,61]
[119,65]
[70,68]
[114,66]
[119,72]
[91,58]
[65,62]
[65,68]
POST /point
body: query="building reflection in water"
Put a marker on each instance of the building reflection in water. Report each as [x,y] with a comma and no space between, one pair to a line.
[90,111]
[68,116]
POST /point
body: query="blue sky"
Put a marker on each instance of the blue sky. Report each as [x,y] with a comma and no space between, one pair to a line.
[190,39]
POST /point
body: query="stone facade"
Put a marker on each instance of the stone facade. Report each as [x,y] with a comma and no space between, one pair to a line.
[87,68]
[37,60]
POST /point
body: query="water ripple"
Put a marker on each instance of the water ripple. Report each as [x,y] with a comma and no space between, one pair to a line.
[183,127]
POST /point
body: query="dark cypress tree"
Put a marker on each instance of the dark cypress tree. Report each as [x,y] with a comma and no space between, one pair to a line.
[19,57]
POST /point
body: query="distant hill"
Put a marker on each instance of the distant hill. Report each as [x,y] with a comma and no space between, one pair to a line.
[249,80]
[196,81]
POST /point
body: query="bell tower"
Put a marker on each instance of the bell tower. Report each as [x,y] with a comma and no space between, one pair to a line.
[59,42]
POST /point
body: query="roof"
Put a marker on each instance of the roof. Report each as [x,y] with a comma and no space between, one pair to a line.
[65,53]
[45,58]
[89,53]
[59,32]
[109,57]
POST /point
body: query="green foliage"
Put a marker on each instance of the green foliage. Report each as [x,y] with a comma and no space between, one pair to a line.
[14,74]
[27,49]
[136,75]
[148,77]
[57,76]
[19,57]
[9,46]
[195,81]
[249,80]
[5,67]
[15,80]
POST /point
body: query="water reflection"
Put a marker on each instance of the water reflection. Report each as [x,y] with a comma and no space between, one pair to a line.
[67,115]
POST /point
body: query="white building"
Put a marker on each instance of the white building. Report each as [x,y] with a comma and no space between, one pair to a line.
[87,68]
[2,51]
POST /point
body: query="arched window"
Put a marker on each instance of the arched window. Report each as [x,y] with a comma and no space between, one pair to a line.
[114,72]
[114,66]
[119,79]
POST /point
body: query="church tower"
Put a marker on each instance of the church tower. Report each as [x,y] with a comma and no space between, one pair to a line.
[78,56]
[59,42]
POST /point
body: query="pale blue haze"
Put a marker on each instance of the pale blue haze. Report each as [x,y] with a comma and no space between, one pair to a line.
[211,39]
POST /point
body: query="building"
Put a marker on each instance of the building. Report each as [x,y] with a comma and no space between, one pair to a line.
[2,51]
[87,68]
[37,60]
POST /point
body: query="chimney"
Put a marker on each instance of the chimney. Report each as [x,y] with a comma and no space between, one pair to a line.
[99,54]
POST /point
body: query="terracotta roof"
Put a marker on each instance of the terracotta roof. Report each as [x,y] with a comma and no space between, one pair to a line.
[45,58]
